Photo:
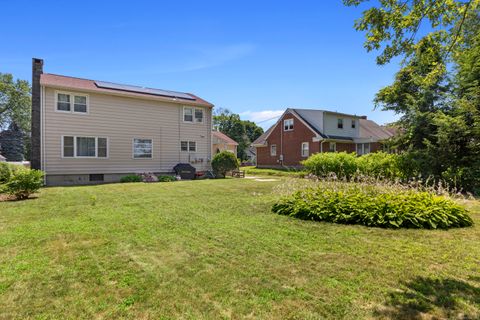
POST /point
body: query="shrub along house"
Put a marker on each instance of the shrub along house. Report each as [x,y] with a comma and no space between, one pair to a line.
[302,132]
[86,131]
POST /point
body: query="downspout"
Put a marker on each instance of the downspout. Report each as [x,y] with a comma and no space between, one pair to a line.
[42,135]
[281,143]
[321,146]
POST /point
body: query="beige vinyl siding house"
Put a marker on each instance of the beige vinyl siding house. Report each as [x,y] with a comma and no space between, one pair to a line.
[116,133]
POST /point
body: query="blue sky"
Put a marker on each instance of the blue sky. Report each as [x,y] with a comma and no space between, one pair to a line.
[255,58]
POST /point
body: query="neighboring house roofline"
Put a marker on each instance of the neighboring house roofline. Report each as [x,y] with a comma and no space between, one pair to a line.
[331,112]
[260,142]
[225,138]
[369,130]
[62,82]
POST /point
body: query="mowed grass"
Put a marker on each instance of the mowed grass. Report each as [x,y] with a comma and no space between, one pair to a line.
[212,249]
[293,173]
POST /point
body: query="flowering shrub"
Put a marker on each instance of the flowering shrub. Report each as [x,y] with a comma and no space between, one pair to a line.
[149,177]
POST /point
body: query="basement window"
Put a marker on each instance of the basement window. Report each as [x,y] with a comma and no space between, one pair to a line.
[96,177]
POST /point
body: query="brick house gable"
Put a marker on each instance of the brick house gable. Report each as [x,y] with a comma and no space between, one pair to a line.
[288,143]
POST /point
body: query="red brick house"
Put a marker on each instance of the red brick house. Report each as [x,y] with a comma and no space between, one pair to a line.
[300,133]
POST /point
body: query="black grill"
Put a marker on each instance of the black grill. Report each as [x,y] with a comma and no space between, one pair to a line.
[185,170]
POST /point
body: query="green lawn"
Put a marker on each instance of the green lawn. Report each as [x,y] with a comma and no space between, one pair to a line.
[275,172]
[211,249]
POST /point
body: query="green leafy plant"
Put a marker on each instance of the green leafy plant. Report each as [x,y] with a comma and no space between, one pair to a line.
[343,164]
[223,162]
[374,206]
[23,182]
[166,178]
[5,172]
[379,165]
[131,178]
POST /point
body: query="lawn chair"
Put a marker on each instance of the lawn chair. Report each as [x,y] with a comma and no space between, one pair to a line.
[238,173]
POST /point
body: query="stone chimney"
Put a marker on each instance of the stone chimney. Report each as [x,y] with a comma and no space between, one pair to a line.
[37,70]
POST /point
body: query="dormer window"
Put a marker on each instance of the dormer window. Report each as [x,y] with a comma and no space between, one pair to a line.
[288,125]
[340,124]
[71,102]
[353,124]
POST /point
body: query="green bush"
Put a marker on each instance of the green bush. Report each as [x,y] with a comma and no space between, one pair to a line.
[223,162]
[379,165]
[131,178]
[374,206]
[343,164]
[5,172]
[166,178]
[23,182]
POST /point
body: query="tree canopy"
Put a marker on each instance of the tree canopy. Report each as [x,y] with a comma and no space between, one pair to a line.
[394,27]
[242,131]
[436,91]
[15,102]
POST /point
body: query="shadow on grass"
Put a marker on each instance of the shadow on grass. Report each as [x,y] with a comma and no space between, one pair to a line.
[8,198]
[443,298]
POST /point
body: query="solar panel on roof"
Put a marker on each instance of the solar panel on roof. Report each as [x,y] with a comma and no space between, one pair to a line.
[156,92]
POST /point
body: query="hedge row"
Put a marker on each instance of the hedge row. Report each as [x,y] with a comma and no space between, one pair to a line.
[347,165]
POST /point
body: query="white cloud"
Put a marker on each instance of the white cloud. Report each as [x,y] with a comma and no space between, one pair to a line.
[264,118]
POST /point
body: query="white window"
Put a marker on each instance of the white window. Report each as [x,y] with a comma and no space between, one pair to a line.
[84,147]
[353,124]
[80,104]
[363,148]
[273,150]
[198,115]
[142,148]
[102,149]
[192,115]
[63,102]
[190,146]
[68,147]
[333,146]
[340,123]
[305,151]
[73,103]
[288,125]
[188,114]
